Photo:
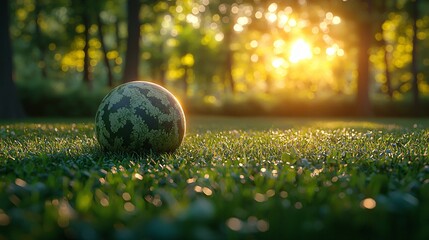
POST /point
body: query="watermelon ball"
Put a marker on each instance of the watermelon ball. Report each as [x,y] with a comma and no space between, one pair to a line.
[140,117]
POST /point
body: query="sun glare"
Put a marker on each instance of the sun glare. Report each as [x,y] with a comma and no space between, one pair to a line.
[300,50]
[278,62]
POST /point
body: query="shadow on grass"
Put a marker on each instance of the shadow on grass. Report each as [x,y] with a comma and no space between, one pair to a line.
[80,164]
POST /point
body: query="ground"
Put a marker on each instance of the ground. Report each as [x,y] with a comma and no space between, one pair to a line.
[235,178]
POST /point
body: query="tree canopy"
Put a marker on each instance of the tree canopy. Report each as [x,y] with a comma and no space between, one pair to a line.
[224,51]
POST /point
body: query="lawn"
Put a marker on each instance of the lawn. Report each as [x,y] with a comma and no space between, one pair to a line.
[234,178]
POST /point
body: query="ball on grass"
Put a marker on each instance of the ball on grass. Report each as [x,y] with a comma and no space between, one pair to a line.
[140,117]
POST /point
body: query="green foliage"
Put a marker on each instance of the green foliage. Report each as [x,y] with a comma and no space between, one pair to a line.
[196,46]
[58,99]
[51,98]
[237,178]
[286,104]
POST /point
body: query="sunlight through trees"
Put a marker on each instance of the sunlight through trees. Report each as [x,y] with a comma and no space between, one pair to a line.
[202,49]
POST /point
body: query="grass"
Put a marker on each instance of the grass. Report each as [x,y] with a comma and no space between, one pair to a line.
[235,178]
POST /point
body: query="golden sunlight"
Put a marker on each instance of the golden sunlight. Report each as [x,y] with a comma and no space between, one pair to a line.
[278,62]
[300,50]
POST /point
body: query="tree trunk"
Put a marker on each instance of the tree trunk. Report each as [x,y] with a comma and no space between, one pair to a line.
[86,65]
[10,107]
[39,40]
[363,103]
[103,48]
[386,56]
[117,38]
[229,79]
[414,65]
[387,71]
[133,48]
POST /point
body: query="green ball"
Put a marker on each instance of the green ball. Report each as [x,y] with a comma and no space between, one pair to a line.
[140,117]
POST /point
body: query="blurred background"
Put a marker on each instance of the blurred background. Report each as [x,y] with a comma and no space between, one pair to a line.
[241,57]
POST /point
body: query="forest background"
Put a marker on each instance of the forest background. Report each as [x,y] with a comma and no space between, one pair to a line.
[241,57]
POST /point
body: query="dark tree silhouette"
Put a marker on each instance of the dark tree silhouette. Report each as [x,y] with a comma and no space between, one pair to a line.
[87,24]
[229,54]
[133,48]
[414,63]
[10,107]
[365,33]
[104,49]
[384,11]
[39,38]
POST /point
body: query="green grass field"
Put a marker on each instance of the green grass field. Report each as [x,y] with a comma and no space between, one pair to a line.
[232,178]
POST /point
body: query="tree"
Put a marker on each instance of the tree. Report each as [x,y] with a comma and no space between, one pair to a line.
[10,107]
[363,22]
[229,61]
[83,17]
[364,28]
[87,24]
[155,36]
[414,65]
[39,38]
[225,11]
[385,44]
[229,53]
[133,47]
[103,47]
